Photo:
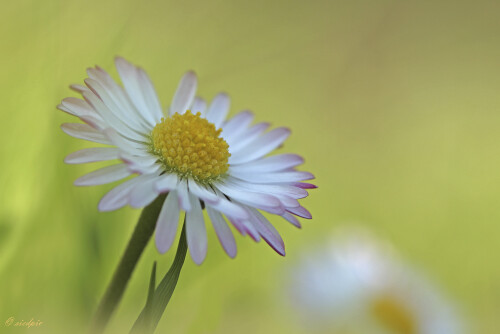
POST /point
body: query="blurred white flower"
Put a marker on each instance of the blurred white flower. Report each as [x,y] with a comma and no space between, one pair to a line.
[358,285]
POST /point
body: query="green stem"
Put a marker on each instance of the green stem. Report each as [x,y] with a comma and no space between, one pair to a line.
[151,314]
[140,238]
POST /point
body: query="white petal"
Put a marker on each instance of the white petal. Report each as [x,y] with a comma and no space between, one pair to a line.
[92,154]
[85,132]
[125,144]
[199,105]
[167,182]
[238,224]
[300,211]
[133,82]
[141,169]
[94,122]
[277,177]
[140,164]
[184,94]
[78,88]
[245,227]
[104,175]
[246,137]
[183,194]
[268,232]
[218,110]
[303,185]
[196,233]
[118,196]
[103,103]
[230,209]
[149,95]
[146,160]
[286,194]
[236,125]
[288,202]
[274,189]
[118,101]
[223,232]
[202,192]
[251,230]
[264,202]
[273,163]
[112,120]
[168,221]
[78,107]
[292,219]
[144,193]
[260,147]
[66,110]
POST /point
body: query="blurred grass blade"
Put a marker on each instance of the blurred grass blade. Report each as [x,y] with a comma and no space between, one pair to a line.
[151,292]
[152,286]
[157,303]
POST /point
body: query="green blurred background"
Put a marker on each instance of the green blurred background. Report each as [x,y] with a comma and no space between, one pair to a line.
[393,104]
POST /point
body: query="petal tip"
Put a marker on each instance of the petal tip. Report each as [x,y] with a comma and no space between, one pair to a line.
[160,248]
[280,250]
[120,59]
[198,262]
[79,183]
[103,207]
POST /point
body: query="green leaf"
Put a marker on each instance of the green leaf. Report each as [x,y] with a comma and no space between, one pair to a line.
[152,286]
[150,316]
[149,301]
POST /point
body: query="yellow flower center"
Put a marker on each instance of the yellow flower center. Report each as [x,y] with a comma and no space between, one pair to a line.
[393,315]
[191,146]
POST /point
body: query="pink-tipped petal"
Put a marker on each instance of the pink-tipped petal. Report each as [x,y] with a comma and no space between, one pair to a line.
[268,232]
[223,232]
[271,164]
[276,177]
[92,154]
[78,88]
[291,219]
[273,189]
[118,196]
[264,202]
[104,175]
[247,137]
[260,147]
[251,230]
[300,211]
[304,185]
[85,132]
[124,144]
[236,125]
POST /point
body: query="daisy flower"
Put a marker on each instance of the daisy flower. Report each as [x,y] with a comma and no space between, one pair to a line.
[190,151]
[357,285]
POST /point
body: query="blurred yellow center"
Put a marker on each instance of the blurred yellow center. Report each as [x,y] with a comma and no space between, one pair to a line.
[393,315]
[191,147]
